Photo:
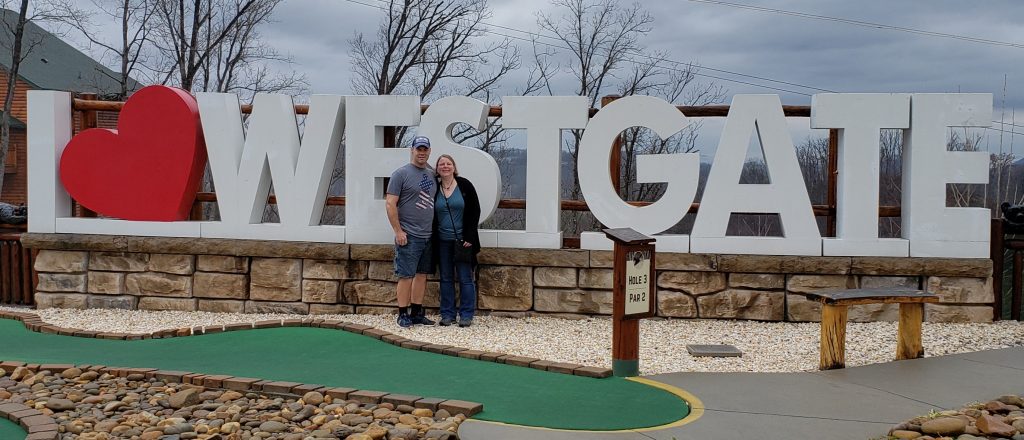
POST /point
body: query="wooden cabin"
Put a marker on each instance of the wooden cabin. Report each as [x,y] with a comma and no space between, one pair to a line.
[51,64]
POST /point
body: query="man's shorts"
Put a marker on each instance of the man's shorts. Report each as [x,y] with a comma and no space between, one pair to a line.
[413,258]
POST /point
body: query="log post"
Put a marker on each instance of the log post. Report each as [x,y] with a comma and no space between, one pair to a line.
[7,294]
[833,174]
[625,332]
[633,296]
[833,337]
[616,157]
[998,255]
[908,343]
[197,211]
[1018,283]
[89,120]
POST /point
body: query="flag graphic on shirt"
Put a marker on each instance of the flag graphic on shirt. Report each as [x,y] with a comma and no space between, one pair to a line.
[426,201]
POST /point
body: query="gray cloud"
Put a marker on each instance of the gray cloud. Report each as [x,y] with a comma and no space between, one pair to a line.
[816,53]
[849,58]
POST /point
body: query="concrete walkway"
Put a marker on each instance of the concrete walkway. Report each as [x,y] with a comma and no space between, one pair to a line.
[854,403]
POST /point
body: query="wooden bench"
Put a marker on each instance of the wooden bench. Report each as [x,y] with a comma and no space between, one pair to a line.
[833,320]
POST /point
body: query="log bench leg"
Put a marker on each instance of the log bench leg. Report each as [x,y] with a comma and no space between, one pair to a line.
[908,343]
[833,337]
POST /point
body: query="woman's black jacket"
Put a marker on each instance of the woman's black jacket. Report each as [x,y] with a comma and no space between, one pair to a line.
[470,218]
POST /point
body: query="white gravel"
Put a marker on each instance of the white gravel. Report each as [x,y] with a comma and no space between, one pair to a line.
[766,346]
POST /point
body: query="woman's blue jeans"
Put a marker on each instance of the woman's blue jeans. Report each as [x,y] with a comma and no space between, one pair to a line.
[467,288]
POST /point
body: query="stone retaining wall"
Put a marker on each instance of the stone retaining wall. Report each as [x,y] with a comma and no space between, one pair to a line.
[215,275]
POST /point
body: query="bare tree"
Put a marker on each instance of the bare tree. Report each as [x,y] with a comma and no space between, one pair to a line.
[604,54]
[890,183]
[204,45]
[755,172]
[20,46]
[215,45]
[242,62]
[433,48]
[599,37]
[18,31]
[198,45]
[134,18]
[672,85]
[1006,181]
[964,194]
[812,155]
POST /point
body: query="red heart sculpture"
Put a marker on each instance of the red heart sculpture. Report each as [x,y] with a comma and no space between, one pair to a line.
[149,168]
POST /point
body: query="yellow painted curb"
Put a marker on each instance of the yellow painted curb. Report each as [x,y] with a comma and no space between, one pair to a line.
[695,404]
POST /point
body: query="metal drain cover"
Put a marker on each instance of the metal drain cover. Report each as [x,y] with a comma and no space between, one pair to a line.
[713,350]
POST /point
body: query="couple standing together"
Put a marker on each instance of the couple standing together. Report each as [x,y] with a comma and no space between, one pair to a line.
[434,214]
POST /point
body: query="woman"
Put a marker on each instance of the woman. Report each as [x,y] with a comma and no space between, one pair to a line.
[456,215]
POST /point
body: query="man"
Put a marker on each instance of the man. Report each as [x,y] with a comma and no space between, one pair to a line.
[410,206]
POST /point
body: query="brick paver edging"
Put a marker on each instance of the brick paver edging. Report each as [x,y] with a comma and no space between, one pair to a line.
[39,426]
[35,323]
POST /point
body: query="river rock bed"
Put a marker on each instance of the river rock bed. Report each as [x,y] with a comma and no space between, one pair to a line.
[1002,418]
[88,405]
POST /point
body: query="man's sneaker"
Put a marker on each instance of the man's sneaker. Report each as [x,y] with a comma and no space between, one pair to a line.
[465,322]
[445,322]
[404,320]
[422,320]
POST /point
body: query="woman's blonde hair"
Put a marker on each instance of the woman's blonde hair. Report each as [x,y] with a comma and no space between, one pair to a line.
[455,168]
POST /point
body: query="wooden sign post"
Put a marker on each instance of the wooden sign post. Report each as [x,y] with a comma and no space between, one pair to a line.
[633,296]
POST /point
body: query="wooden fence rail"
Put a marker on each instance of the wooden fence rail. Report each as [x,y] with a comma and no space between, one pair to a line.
[495,110]
[17,275]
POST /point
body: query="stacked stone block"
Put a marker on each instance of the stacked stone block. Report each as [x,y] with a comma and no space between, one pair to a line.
[275,286]
[315,278]
[221,283]
[63,279]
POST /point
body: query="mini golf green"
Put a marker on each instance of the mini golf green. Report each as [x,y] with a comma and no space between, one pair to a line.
[11,430]
[510,394]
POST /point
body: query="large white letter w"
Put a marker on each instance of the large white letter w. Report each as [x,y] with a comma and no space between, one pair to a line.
[243,163]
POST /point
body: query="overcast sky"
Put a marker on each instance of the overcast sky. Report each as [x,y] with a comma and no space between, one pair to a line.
[815,53]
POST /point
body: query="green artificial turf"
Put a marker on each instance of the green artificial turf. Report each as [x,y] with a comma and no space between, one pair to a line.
[11,430]
[337,358]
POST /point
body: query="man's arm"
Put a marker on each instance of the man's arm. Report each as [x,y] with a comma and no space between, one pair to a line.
[391,202]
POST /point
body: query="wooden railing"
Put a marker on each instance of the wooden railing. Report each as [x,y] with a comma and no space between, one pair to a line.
[1001,247]
[17,275]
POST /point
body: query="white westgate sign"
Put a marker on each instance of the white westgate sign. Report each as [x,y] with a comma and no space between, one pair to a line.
[244,164]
